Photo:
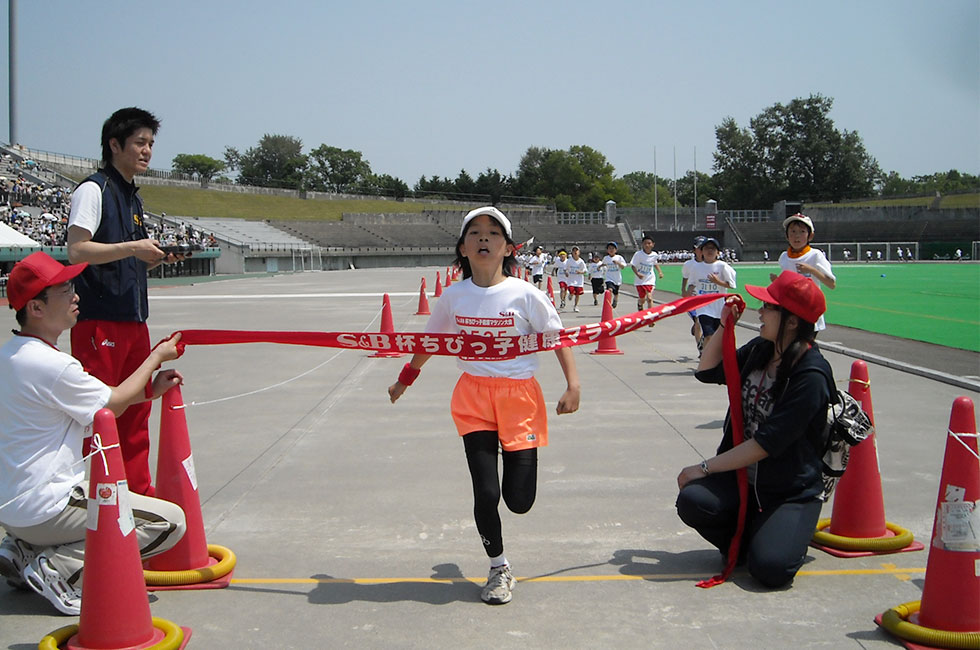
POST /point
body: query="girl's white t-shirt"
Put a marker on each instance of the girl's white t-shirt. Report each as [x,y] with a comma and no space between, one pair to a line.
[510,308]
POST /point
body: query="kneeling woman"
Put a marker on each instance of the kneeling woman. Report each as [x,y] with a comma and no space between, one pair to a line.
[786,387]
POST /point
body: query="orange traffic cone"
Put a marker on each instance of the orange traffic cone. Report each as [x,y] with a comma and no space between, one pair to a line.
[449,278]
[115,609]
[191,563]
[423,309]
[607,345]
[438,286]
[551,291]
[949,613]
[857,526]
[387,327]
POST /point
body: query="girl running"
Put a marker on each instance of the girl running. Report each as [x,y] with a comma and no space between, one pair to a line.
[496,403]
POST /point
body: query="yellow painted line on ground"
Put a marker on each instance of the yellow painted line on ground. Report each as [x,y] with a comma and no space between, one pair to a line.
[890,570]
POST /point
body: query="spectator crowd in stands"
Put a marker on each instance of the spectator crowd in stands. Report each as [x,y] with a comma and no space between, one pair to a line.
[183,233]
[49,226]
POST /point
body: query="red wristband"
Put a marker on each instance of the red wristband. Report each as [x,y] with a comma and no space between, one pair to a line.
[408,375]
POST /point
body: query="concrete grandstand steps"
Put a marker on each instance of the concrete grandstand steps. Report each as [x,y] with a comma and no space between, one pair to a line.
[242,231]
[334,234]
[412,235]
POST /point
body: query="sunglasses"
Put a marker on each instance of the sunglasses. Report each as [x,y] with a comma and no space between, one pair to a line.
[769,305]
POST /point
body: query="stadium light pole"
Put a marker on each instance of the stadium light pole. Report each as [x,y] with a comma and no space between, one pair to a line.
[12,70]
[675,187]
[655,189]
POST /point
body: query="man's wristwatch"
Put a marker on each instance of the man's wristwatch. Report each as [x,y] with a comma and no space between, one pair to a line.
[704,467]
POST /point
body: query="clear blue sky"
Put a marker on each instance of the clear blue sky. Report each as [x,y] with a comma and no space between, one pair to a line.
[435,87]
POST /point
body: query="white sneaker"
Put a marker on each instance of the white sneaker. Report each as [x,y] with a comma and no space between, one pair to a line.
[15,554]
[47,581]
[576,309]
[500,584]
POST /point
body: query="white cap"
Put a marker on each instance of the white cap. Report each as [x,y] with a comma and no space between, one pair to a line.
[490,211]
[802,218]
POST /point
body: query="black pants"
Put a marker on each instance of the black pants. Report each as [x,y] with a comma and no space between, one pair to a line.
[775,540]
[519,484]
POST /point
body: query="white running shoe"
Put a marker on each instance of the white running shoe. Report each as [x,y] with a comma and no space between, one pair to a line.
[15,554]
[47,581]
[500,584]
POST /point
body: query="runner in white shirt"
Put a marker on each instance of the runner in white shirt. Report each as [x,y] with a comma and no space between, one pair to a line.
[687,287]
[711,276]
[560,271]
[597,277]
[799,257]
[613,264]
[644,263]
[496,405]
[576,270]
[537,263]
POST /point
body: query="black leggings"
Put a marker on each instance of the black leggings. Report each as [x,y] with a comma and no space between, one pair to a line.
[519,484]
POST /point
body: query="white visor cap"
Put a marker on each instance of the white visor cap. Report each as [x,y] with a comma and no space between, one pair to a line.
[491,212]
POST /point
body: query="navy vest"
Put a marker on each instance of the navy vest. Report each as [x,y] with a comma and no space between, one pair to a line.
[115,291]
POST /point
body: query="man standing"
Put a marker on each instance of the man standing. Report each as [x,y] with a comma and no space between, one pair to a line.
[106,230]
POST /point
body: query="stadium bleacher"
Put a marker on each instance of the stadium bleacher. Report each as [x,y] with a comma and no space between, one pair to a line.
[242,231]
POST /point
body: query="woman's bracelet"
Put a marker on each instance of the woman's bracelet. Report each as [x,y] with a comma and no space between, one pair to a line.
[408,375]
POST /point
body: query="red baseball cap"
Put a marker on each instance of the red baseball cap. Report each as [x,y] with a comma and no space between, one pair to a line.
[794,292]
[34,274]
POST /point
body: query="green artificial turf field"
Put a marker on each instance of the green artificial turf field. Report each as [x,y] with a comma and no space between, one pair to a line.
[936,303]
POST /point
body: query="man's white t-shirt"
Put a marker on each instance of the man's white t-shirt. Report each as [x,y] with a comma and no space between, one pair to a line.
[576,270]
[614,272]
[815,258]
[47,407]
[703,285]
[645,263]
[86,207]
[510,308]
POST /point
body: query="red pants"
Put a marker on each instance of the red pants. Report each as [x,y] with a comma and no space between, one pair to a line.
[112,352]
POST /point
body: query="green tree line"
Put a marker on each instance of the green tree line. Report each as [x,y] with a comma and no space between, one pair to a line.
[790,151]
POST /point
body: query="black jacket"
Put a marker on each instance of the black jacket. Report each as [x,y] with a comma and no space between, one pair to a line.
[792,433]
[115,291]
